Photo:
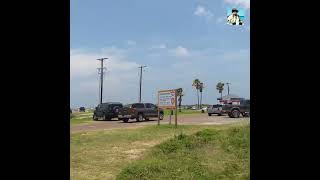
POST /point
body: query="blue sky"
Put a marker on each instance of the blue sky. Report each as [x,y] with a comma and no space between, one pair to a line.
[178,40]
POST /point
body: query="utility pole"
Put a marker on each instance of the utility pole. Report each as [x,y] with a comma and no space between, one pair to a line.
[101,71]
[140,82]
[228,87]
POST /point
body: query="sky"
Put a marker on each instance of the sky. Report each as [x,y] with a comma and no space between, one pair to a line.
[177,40]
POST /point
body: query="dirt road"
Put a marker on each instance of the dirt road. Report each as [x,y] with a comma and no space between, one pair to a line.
[192,119]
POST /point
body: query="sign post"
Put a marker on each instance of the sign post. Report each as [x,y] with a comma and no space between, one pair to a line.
[167,99]
[176,114]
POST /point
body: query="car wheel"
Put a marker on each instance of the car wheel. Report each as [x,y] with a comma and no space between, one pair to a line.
[94,118]
[161,116]
[246,114]
[230,115]
[235,113]
[125,120]
[209,114]
[140,117]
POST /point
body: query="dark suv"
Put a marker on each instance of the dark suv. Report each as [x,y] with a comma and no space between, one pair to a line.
[107,111]
[234,111]
[82,109]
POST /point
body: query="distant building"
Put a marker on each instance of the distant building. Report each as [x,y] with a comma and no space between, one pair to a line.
[231,98]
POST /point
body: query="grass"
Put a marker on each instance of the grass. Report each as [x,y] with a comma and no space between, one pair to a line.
[80,118]
[208,154]
[105,154]
[183,111]
[75,121]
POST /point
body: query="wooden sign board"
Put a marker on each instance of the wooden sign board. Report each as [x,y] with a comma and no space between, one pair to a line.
[167,99]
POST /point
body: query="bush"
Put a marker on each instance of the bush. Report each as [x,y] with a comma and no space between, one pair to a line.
[208,154]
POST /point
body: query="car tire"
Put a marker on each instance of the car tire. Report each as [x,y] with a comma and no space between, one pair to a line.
[230,115]
[125,120]
[246,114]
[209,114]
[94,118]
[140,117]
[161,116]
[235,113]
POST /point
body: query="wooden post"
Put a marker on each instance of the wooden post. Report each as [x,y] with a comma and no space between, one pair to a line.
[176,113]
[158,116]
[158,111]
[171,112]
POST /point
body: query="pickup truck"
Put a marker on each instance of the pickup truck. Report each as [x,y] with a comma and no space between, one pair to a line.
[139,111]
[234,111]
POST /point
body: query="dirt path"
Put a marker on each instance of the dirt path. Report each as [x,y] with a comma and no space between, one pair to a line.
[194,119]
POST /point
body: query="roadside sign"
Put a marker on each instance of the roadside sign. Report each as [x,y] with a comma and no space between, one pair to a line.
[167,99]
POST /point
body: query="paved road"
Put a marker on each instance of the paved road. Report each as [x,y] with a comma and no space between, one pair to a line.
[190,119]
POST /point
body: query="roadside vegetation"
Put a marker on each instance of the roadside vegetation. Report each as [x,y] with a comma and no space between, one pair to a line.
[183,111]
[207,154]
[80,118]
[129,153]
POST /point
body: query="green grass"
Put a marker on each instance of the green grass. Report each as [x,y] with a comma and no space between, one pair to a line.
[80,118]
[208,154]
[183,111]
[104,154]
[75,121]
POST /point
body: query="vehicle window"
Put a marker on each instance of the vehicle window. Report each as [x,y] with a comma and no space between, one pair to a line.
[148,105]
[153,106]
[115,105]
[138,105]
[128,105]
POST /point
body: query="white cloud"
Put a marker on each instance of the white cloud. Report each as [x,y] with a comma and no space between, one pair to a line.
[180,52]
[202,12]
[160,46]
[84,76]
[84,64]
[243,3]
[221,19]
[131,43]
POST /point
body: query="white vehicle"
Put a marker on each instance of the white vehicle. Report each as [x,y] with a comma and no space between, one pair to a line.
[215,109]
[193,108]
[204,108]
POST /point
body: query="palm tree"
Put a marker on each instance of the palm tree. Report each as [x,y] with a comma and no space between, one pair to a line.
[201,87]
[196,84]
[219,87]
[180,94]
